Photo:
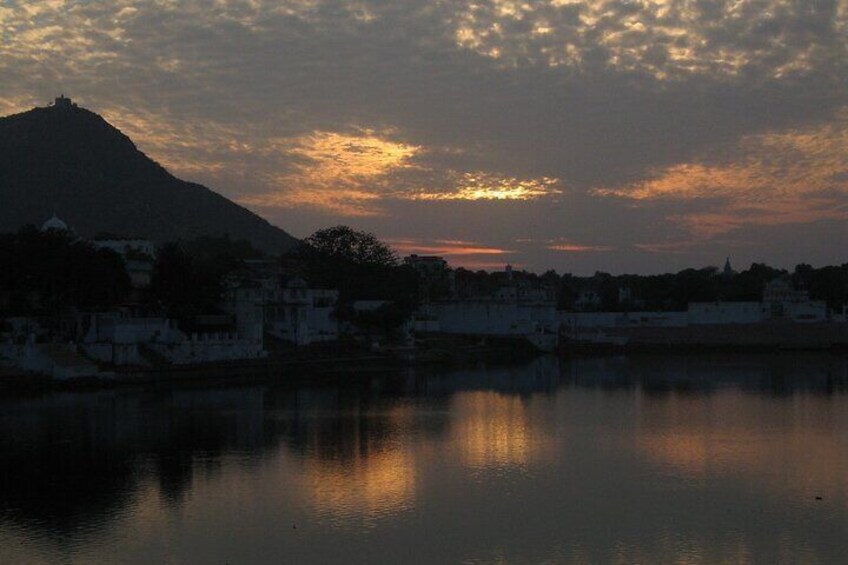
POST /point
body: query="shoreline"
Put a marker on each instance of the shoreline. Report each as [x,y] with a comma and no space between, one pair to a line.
[338,361]
[317,365]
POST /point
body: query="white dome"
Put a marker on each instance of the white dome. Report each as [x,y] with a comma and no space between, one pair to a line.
[54,223]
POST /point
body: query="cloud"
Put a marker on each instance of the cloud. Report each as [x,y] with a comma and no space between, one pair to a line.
[342,173]
[777,178]
[481,185]
[667,39]
[458,253]
[448,248]
[610,122]
[578,248]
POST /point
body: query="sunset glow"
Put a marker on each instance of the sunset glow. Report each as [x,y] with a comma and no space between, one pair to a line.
[789,177]
[483,186]
[640,126]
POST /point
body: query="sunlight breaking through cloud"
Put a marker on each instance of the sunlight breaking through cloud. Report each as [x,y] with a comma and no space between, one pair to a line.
[578,248]
[343,173]
[458,253]
[708,117]
[486,186]
[447,248]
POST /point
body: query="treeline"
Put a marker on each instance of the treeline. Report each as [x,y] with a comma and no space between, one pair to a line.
[189,277]
[361,267]
[47,273]
[666,292]
[54,273]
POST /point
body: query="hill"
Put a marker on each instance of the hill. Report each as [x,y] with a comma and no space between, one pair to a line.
[70,161]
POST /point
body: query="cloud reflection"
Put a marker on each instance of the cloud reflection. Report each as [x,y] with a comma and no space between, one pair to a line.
[696,439]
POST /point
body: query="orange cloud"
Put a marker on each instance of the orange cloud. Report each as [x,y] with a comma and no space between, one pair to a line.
[789,177]
[348,173]
[480,185]
[577,248]
[459,253]
[445,247]
[342,173]
[665,246]
[472,265]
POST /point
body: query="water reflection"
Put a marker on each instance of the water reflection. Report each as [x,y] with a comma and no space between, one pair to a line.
[762,440]
[651,459]
[493,429]
[380,485]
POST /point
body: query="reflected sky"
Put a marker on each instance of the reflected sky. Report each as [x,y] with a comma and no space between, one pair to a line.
[651,459]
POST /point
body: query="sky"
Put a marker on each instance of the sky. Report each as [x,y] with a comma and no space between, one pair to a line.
[625,136]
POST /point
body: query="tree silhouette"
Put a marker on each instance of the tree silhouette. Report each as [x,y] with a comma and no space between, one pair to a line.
[358,247]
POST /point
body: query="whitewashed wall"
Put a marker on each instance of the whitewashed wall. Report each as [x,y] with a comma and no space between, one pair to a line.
[490,317]
[702,313]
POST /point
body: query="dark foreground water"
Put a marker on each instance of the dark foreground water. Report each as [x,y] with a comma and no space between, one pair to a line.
[650,460]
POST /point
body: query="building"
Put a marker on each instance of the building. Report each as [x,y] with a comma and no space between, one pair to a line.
[516,308]
[782,301]
[587,300]
[728,270]
[436,280]
[246,304]
[129,247]
[301,315]
[63,103]
[426,264]
[138,254]
[54,223]
[701,313]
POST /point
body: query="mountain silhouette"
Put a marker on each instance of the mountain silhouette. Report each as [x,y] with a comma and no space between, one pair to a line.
[67,160]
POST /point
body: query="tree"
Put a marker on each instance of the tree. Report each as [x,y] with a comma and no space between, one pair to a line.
[47,272]
[187,285]
[358,247]
[359,265]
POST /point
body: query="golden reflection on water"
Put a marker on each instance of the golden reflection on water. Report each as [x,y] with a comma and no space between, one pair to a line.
[373,477]
[577,474]
[380,477]
[377,485]
[492,429]
[789,447]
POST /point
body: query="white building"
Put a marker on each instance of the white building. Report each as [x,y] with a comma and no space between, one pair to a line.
[246,304]
[806,312]
[514,309]
[138,254]
[54,223]
[701,313]
[127,247]
[587,300]
[116,339]
[302,315]
[490,317]
[115,328]
[591,320]
[782,301]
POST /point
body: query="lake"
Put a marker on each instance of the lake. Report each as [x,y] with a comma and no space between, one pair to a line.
[642,459]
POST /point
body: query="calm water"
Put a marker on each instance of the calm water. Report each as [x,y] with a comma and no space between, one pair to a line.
[650,460]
